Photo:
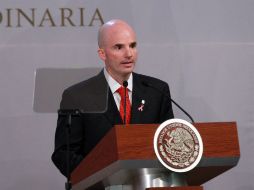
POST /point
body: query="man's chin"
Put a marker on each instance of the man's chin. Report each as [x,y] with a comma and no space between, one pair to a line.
[128,68]
[128,71]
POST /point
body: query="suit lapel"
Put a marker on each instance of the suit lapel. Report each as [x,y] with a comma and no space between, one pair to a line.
[138,94]
[112,112]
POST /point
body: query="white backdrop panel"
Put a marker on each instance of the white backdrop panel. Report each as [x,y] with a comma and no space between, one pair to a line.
[203,49]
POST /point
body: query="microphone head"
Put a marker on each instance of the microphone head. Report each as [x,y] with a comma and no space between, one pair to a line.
[125,84]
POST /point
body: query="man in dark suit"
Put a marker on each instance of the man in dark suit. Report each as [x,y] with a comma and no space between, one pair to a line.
[149,97]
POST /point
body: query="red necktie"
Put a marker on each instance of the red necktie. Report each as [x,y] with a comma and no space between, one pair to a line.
[121,91]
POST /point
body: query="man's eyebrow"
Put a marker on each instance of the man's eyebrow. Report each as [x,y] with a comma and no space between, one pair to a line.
[132,44]
[118,45]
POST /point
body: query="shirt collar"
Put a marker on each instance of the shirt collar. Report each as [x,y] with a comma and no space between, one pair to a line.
[114,85]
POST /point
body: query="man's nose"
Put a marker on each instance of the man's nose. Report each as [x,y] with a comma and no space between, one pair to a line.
[128,52]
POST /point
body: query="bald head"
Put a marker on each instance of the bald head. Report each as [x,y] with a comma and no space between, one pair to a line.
[117,49]
[110,29]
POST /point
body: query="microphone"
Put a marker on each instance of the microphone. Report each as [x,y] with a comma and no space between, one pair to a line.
[145,83]
[125,84]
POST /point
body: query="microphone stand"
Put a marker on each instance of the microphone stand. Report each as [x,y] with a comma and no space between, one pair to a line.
[125,84]
[68,184]
[124,116]
[69,113]
[176,104]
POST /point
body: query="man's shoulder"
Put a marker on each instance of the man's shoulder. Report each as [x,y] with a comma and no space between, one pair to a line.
[148,80]
[92,83]
[83,95]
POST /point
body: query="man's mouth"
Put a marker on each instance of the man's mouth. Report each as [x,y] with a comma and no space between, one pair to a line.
[127,62]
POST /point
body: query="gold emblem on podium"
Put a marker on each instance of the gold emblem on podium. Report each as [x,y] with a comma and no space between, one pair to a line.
[178,145]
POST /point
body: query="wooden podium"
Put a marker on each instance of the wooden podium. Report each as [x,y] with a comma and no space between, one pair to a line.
[126,153]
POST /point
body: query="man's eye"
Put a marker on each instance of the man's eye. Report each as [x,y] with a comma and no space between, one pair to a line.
[118,46]
[133,45]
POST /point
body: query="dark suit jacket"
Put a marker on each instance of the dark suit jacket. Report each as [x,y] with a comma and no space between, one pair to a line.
[91,96]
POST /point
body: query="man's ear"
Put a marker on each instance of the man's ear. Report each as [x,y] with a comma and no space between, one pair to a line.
[101,54]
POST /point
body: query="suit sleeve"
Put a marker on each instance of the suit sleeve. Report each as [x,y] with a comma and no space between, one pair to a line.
[60,151]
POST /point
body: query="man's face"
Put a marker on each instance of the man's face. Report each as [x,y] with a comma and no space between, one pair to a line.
[119,51]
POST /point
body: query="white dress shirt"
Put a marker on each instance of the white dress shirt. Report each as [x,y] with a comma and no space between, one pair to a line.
[114,85]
